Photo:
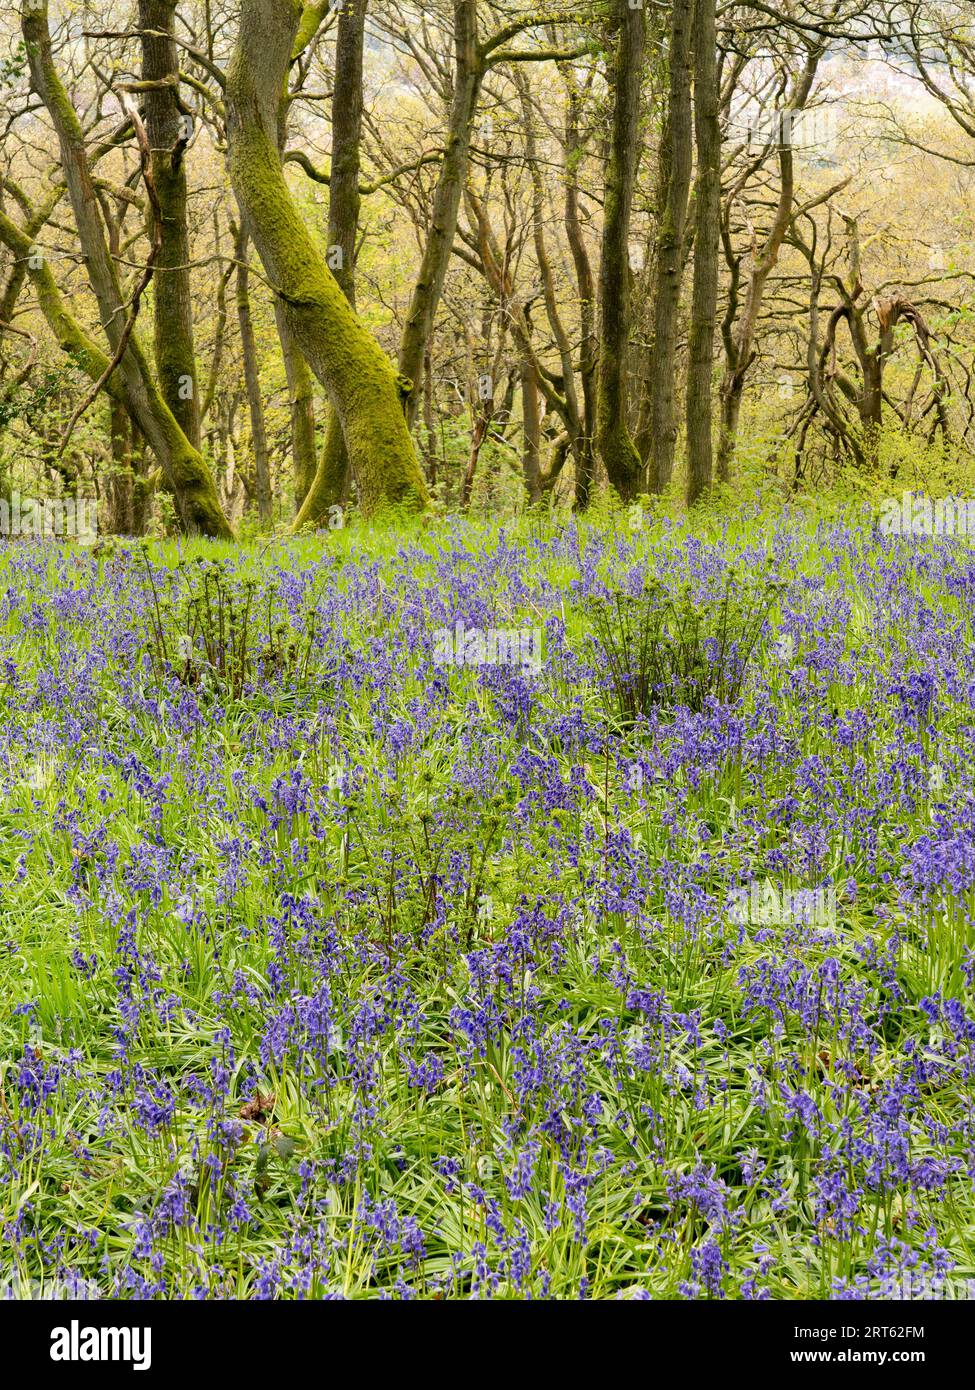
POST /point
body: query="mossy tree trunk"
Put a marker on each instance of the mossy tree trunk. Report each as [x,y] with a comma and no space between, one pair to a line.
[707,232]
[358,377]
[300,378]
[184,470]
[677,158]
[68,333]
[37,219]
[331,483]
[121,481]
[168,128]
[616,447]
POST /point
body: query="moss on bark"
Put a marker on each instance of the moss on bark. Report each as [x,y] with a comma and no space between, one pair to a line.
[359,378]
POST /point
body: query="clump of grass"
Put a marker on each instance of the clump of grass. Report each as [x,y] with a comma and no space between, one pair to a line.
[662,651]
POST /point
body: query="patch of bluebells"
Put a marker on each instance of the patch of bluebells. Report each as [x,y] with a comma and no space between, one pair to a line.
[404,980]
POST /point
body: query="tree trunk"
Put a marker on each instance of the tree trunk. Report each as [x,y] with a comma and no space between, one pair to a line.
[121,520]
[301,406]
[142,483]
[301,380]
[168,131]
[704,301]
[677,159]
[531,420]
[589,343]
[430,422]
[252,381]
[732,391]
[219,333]
[615,445]
[356,374]
[331,482]
[467,76]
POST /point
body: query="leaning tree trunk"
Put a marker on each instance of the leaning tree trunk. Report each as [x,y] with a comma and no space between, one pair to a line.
[707,233]
[299,376]
[618,452]
[184,471]
[330,484]
[357,376]
[168,129]
[677,156]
